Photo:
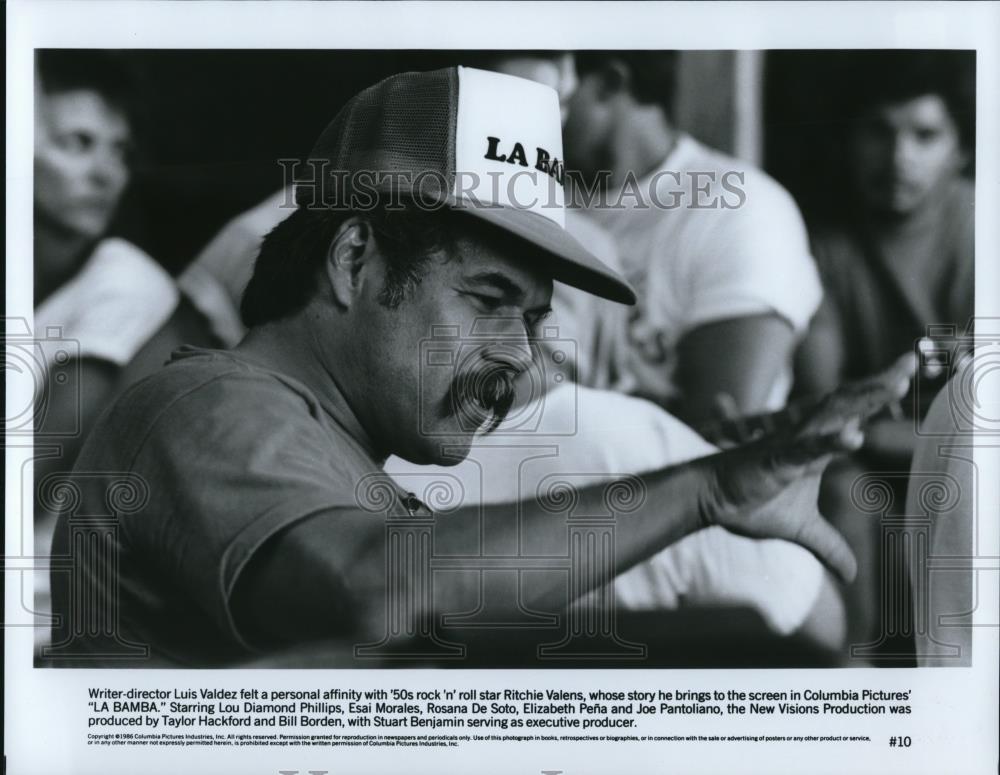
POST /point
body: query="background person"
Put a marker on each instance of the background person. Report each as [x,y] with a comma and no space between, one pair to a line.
[725,280]
[898,260]
[100,291]
[901,257]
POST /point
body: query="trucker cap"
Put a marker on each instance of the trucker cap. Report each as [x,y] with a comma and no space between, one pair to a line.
[474,141]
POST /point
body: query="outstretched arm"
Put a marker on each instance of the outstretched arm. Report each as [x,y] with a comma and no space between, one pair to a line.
[326,574]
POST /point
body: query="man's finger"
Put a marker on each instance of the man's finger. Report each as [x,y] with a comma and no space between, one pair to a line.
[822,539]
[861,400]
[887,386]
[898,376]
[815,450]
[726,407]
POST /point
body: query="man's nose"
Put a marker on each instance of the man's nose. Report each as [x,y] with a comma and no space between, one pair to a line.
[107,170]
[903,149]
[510,345]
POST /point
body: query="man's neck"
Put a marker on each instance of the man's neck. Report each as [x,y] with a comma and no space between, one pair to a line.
[290,347]
[924,216]
[641,143]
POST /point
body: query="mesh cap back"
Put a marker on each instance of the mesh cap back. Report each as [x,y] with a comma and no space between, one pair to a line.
[405,135]
[403,124]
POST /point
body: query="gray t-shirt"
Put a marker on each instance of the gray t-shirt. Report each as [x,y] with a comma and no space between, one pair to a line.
[230,453]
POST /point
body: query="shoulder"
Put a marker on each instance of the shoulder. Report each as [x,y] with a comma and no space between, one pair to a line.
[836,248]
[760,188]
[117,270]
[764,194]
[204,392]
[962,207]
[734,207]
[214,376]
[120,266]
[114,304]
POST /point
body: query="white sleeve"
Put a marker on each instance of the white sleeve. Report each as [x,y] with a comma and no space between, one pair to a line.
[114,305]
[230,255]
[751,260]
[613,434]
[778,579]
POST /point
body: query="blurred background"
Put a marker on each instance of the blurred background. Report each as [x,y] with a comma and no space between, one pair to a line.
[213,123]
[877,145]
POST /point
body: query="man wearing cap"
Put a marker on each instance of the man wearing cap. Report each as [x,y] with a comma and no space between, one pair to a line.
[258,531]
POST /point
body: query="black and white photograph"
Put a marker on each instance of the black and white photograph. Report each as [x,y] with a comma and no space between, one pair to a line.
[530,403]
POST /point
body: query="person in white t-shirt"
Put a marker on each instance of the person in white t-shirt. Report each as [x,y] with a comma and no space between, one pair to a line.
[98,300]
[716,249]
[104,297]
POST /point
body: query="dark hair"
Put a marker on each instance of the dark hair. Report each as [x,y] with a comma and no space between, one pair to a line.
[103,72]
[492,59]
[294,252]
[876,78]
[652,74]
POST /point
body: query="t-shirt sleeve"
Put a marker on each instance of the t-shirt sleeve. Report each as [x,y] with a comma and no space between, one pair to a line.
[114,305]
[751,260]
[228,259]
[229,465]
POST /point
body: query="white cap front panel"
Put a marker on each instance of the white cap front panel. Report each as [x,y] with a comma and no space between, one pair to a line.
[508,144]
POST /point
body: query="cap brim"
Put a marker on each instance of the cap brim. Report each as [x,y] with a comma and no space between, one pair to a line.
[569,261]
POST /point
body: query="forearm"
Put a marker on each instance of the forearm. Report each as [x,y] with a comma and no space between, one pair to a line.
[333,573]
[741,358]
[819,359]
[649,513]
[349,566]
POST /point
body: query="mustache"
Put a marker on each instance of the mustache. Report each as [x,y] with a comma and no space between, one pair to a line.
[490,391]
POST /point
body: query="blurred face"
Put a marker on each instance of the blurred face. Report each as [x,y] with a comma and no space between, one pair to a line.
[442,364]
[588,126]
[901,152]
[558,73]
[81,146]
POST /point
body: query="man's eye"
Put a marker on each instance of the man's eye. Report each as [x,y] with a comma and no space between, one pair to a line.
[927,135]
[488,302]
[76,142]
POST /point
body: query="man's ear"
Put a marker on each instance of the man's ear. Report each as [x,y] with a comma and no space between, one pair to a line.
[349,252]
